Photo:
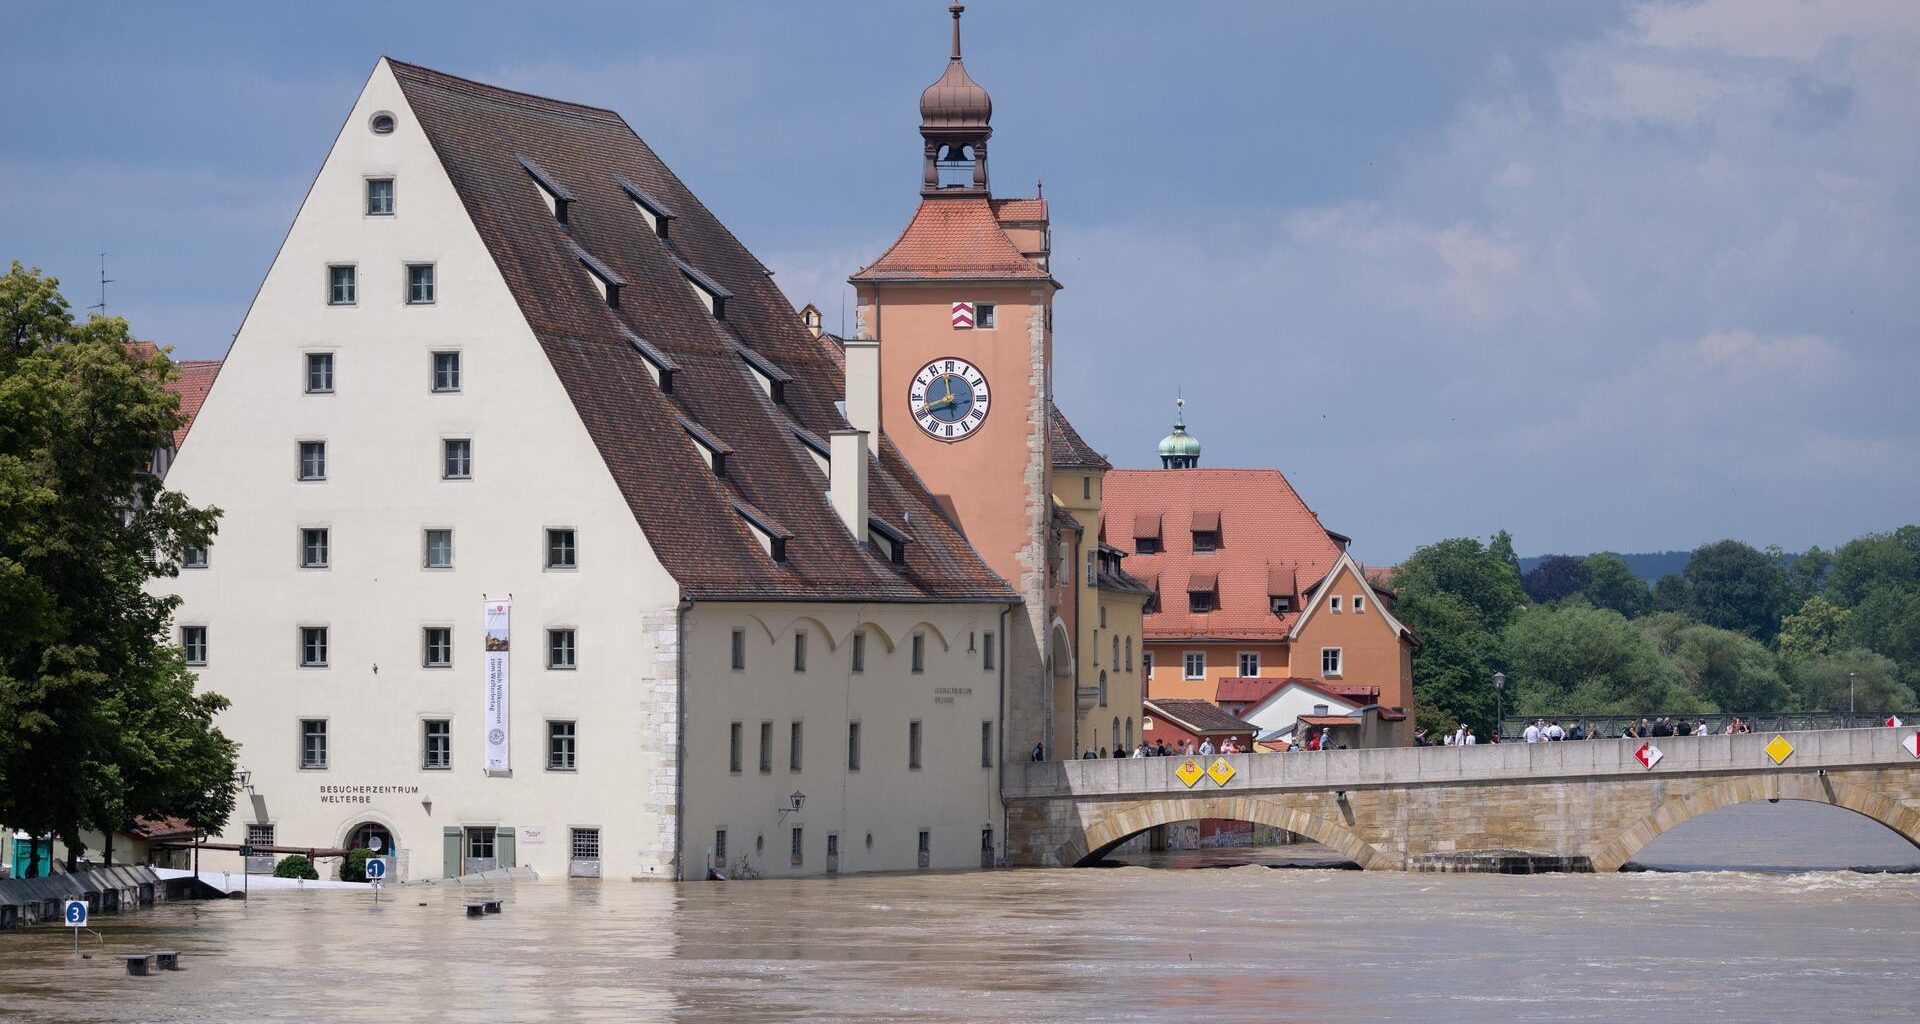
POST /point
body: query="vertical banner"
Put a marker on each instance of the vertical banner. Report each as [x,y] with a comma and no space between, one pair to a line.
[497,686]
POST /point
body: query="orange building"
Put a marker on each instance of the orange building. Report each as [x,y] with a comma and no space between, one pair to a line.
[1248,585]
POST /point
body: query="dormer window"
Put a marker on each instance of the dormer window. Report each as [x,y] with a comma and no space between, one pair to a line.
[883,536]
[771,535]
[652,210]
[714,450]
[555,194]
[658,363]
[706,289]
[1146,535]
[605,278]
[1206,532]
[1203,592]
[772,379]
[1280,605]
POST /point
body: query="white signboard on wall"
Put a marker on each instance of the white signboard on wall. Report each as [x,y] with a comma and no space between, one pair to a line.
[533,835]
[495,720]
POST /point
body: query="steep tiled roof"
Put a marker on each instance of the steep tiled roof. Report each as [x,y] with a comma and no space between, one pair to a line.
[1198,716]
[952,238]
[1010,210]
[1262,523]
[1069,450]
[193,383]
[1253,691]
[689,515]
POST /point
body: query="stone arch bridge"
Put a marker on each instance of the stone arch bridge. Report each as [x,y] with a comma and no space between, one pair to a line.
[1391,809]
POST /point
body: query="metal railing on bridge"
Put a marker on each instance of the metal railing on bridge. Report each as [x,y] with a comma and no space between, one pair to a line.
[1611,726]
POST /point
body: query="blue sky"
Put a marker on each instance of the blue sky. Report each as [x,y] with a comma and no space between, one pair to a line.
[1629,275]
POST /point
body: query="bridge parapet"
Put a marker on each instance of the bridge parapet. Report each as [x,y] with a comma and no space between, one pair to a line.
[1396,766]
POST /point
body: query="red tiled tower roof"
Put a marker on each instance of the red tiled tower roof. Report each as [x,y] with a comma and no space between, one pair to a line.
[955,238]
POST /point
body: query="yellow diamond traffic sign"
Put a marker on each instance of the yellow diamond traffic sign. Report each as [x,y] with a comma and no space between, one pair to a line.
[1189,772]
[1220,771]
[1779,749]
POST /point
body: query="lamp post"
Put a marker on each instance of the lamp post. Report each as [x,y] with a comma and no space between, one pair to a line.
[1499,692]
[1849,700]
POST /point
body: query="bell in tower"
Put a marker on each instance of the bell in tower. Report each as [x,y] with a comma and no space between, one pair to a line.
[954,122]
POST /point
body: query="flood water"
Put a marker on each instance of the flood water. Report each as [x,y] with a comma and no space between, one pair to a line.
[1128,943]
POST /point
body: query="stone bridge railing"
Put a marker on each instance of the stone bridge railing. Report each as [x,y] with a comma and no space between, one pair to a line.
[1417,766]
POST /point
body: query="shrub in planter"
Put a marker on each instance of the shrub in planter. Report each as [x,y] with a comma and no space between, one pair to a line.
[354,867]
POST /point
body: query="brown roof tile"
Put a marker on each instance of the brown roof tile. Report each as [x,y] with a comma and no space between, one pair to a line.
[952,238]
[195,380]
[479,133]
[1199,716]
[1010,211]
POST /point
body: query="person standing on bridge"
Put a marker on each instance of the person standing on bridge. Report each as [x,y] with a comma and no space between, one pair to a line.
[1206,748]
[1532,734]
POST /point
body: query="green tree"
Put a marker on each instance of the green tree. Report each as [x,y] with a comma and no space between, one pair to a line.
[1453,663]
[1555,578]
[1807,575]
[1672,593]
[1861,679]
[1875,560]
[1588,661]
[1467,569]
[1613,585]
[1736,587]
[1887,622]
[102,720]
[1732,671]
[1813,631]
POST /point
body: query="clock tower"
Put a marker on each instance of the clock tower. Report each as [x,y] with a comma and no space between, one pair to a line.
[961,308]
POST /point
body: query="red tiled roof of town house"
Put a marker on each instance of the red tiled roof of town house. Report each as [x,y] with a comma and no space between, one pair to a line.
[194,381]
[692,518]
[952,238]
[1013,210]
[1380,576]
[1070,451]
[1251,691]
[1199,717]
[160,828]
[1265,531]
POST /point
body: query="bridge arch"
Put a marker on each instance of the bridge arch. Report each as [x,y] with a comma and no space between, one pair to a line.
[1813,788]
[1099,838]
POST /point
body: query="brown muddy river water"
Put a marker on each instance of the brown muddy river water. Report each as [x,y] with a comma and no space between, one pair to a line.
[1133,943]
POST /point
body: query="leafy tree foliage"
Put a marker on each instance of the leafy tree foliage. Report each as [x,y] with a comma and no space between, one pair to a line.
[1611,584]
[102,721]
[1813,631]
[1456,596]
[1588,661]
[1858,679]
[1556,577]
[1672,593]
[1876,560]
[1729,671]
[1887,622]
[1737,587]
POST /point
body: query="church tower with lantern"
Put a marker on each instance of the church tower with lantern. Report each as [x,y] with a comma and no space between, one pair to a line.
[960,313]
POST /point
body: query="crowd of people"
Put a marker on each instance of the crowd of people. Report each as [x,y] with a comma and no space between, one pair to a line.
[1545,731]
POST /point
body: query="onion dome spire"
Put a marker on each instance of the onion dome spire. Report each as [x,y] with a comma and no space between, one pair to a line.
[1179,450]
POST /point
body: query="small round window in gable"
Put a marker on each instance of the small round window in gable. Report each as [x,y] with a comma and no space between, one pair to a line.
[381,123]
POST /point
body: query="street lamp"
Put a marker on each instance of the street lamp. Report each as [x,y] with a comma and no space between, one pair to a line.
[1499,691]
[1849,699]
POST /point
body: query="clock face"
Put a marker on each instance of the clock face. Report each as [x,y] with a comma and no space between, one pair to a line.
[948,399]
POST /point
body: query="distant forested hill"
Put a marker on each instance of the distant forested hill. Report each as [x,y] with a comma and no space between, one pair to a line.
[1648,565]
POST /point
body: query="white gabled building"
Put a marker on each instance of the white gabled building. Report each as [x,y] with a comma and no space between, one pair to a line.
[505,358]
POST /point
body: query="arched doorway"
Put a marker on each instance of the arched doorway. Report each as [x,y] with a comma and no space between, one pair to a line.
[371,835]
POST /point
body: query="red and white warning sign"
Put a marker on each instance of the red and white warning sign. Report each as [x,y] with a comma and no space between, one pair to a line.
[1912,743]
[1894,722]
[962,316]
[1648,755]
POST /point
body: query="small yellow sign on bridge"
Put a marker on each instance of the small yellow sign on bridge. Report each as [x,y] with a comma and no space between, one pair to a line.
[1779,749]
[1220,771]
[1189,772]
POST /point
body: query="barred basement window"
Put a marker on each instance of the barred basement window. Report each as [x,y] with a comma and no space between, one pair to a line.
[720,846]
[798,856]
[436,744]
[193,642]
[926,849]
[259,835]
[585,843]
[436,644]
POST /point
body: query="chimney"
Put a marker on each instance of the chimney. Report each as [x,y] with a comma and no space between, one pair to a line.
[1321,710]
[863,386]
[847,478]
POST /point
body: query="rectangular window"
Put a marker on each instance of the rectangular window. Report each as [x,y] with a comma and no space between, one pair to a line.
[860,650]
[561,751]
[919,652]
[1206,540]
[259,835]
[800,650]
[419,284]
[1329,661]
[584,843]
[913,745]
[1146,663]
[439,549]
[315,548]
[733,748]
[193,642]
[313,647]
[1200,602]
[480,843]
[1281,605]
[195,557]
[313,743]
[319,373]
[766,747]
[1359,605]
[987,651]
[1086,488]
[456,458]
[560,649]
[436,752]
[562,553]
[720,846]
[1146,545]
[853,746]
[446,371]
[985,316]
[313,460]
[739,650]
[379,197]
[986,744]
[436,647]
[342,286]
[1196,665]
[798,854]
[1093,572]
[793,746]
[926,849]
[1249,664]
[1333,604]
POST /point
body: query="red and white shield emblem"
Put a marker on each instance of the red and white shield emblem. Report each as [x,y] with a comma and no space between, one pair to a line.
[963,316]
[1648,755]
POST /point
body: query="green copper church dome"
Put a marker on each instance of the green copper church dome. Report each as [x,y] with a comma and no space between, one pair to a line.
[1179,450]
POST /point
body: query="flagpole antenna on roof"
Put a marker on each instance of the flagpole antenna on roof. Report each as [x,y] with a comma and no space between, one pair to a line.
[104,282]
